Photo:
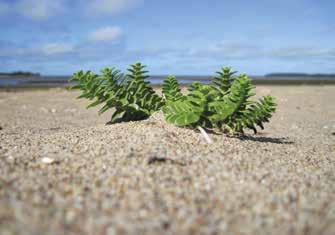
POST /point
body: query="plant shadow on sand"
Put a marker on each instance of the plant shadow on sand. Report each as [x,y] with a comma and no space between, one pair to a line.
[256,138]
[264,139]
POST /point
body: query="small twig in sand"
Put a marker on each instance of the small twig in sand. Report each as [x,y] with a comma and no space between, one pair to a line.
[153,160]
[205,135]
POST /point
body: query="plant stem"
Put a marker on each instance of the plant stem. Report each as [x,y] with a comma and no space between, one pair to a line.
[205,135]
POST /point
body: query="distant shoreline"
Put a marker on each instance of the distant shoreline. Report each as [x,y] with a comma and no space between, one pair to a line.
[19,75]
[15,81]
[315,75]
[65,84]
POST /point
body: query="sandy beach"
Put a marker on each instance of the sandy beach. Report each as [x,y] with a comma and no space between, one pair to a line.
[63,171]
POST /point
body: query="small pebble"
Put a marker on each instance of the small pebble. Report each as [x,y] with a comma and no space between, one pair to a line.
[10,158]
[48,160]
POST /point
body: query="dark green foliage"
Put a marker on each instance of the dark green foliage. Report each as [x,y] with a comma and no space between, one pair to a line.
[225,104]
[192,109]
[171,89]
[256,114]
[131,95]
[194,86]
[224,78]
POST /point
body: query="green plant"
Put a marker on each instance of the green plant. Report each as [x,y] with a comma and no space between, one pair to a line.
[171,89]
[130,95]
[224,78]
[225,104]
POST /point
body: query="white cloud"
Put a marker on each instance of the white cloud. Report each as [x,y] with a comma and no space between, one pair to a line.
[40,9]
[111,7]
[106,34]
[57,48]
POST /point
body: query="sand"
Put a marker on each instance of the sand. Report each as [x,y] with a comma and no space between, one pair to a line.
[63,171]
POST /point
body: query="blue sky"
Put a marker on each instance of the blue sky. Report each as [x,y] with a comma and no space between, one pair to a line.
[170,37]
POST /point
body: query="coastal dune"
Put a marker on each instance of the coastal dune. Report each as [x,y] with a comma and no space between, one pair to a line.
[62,170]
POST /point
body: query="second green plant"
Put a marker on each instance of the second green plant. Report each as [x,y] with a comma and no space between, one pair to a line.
[225,104]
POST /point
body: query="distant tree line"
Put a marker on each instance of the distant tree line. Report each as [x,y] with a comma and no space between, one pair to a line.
[300,75]
[21,73]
